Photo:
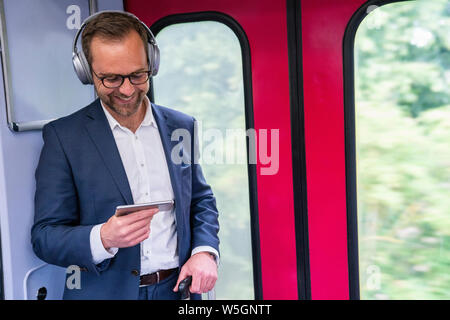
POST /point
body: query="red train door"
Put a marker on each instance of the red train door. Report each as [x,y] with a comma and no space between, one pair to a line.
[331,219]
[302,240]
[261,30]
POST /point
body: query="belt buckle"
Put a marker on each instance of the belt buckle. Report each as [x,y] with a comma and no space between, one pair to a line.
[157,276]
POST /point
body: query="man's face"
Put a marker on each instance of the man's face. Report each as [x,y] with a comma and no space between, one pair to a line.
[122,57]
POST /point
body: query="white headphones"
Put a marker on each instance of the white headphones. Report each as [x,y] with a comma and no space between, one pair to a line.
[81,65]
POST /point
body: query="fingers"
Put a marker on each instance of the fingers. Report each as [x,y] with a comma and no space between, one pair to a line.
[138,237]
[138,215]
[202,282]
[127,231]
[136,226]
[183,275]
[196,286]
[138,229]
[209,283]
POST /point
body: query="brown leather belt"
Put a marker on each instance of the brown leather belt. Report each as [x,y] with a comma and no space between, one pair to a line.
[155,277]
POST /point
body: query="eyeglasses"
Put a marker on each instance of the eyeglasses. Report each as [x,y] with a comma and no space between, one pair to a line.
[116,80]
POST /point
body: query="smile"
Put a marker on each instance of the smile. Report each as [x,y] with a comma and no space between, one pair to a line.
[124,100]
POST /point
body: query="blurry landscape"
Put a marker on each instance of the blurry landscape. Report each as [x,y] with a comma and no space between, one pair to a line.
[402,78]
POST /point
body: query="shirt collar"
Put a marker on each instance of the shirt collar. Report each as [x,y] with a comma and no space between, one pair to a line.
[147,121]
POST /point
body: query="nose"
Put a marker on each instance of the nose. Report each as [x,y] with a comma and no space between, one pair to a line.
[127,88]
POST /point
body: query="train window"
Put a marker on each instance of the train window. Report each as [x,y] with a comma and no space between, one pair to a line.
[39,81]
[402,113]
[201,74]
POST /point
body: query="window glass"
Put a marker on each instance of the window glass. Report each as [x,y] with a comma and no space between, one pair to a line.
[402,79]
[42,82]
[201,75]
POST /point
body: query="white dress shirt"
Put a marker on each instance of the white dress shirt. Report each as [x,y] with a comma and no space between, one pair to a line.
[145,164]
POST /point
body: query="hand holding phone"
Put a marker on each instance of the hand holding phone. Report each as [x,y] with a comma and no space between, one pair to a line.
[124,229]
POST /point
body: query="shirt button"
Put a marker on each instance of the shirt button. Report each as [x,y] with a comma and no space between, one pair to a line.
[135,272]
[142,164]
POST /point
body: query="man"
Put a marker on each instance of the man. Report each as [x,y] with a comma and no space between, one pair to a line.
[117,151]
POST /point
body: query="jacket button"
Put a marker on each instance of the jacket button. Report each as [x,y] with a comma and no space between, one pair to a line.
[135,272]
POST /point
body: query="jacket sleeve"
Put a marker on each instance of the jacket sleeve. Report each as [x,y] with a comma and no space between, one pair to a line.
[204,213]
[56,235]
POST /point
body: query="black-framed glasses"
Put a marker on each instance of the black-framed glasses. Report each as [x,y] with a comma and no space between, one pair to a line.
[116,80]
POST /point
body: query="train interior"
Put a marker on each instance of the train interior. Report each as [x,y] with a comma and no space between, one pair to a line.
[323,131]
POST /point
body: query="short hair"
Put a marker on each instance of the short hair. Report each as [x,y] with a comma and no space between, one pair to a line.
[111,26]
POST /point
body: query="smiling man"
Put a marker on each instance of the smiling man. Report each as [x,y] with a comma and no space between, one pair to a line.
[116,151]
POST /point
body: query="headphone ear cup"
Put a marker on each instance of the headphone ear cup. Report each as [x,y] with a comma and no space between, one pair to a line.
[154,58]
[82,68]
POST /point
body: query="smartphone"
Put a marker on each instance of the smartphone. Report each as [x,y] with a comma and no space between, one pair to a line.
[163,205]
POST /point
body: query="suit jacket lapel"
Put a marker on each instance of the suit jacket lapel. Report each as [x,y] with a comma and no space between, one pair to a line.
[101,135]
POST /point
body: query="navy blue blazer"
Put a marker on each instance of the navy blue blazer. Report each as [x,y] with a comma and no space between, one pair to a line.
[80,180]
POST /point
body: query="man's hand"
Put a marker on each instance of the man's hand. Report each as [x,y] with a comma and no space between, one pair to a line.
[203,269]
[127,231]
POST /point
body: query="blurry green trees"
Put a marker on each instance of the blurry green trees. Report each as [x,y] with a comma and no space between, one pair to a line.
[402,78]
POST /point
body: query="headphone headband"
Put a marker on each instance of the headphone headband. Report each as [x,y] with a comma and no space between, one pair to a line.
[81,65]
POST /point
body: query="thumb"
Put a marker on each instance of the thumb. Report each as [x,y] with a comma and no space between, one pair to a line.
[183,274]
